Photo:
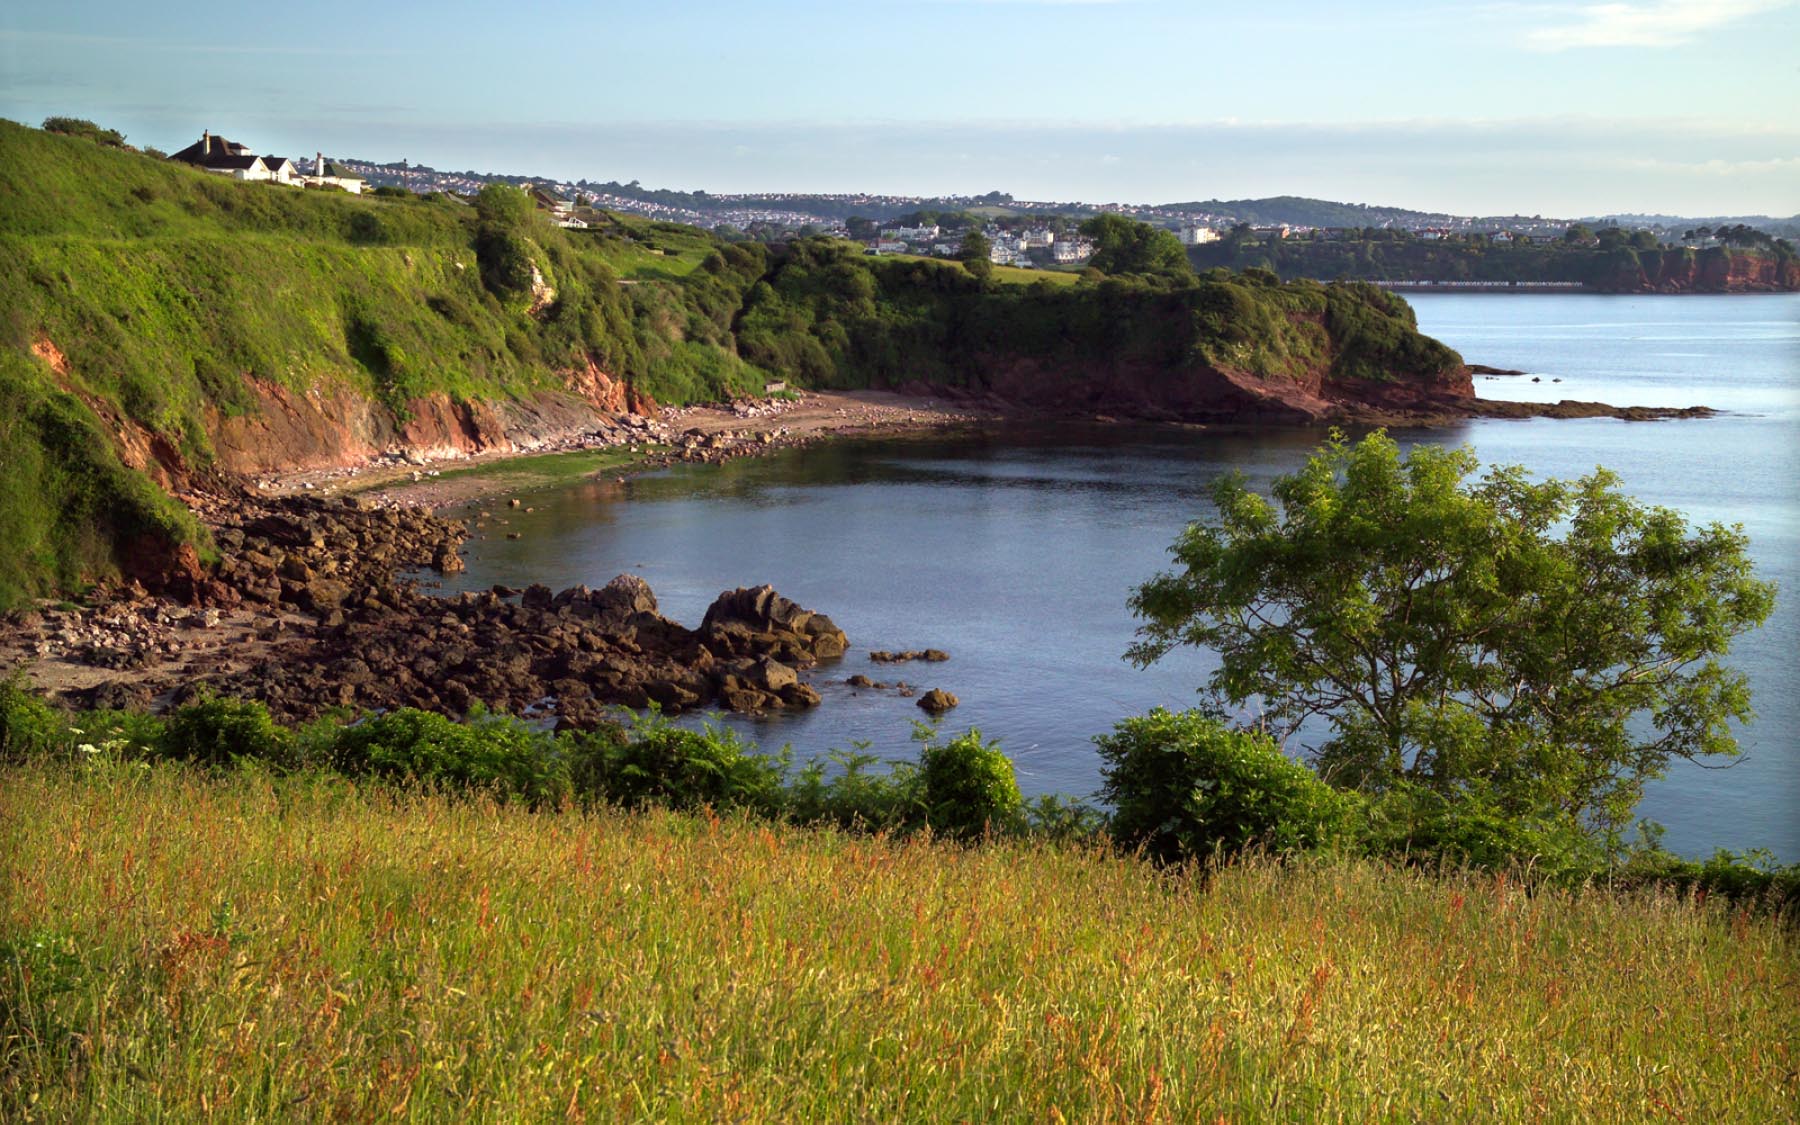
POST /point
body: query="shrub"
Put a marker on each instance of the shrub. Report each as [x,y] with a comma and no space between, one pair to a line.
[968,786]
[29,726]
[217,732]
[656,763]
[366,229]
[1752,878]
[1186,785]
[855,797]
[82,127]
[489,751]
[506,258]
[1472,827]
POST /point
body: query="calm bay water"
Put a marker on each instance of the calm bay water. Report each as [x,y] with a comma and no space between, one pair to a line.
[1016,551]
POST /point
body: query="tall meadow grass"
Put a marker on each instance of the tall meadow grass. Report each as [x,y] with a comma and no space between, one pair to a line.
[178,947]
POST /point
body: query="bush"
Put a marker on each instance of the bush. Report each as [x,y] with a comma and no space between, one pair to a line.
[1473,828]
[495,752]
[82,127]
[1186,785]
[218,732]
[968,786]
[1752,878]
[366,229]
[657,763]
[29,727]
[506,259]
[855,797]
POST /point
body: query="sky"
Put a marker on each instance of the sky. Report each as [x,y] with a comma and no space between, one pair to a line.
[1565,109]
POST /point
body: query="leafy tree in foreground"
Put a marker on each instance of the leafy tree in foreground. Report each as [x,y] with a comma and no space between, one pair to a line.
[1546,647]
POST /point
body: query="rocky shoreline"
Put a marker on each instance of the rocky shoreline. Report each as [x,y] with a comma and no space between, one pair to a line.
[308,611]
[716,434]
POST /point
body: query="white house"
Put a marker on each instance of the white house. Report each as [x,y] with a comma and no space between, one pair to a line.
[1198,235]
[228,158]
[912,234]
[320,177]
[1071,251]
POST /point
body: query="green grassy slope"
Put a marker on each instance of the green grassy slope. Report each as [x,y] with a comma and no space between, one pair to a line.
[835,316]
[262,948]
[139,291]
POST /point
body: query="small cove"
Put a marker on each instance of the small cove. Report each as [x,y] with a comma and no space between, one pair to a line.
[1015,549]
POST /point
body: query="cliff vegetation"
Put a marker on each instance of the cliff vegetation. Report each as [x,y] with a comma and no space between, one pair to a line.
[1607,261]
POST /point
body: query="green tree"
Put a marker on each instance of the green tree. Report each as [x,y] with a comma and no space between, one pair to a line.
[1550,647]
[1124,245]
[505,205]
[975,247]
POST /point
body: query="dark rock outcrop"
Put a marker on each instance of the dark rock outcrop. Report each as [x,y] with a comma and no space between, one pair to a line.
[751,619]
[930,655]
[937,701]
[319,584]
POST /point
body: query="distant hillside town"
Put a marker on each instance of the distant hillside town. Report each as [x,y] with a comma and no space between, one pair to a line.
[784,214]
[1030,234]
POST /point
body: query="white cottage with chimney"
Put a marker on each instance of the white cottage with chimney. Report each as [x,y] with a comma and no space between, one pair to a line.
[228,158]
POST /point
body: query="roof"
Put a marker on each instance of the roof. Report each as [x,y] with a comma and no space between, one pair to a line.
[213,151]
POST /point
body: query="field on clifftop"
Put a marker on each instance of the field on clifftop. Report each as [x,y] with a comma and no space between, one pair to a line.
[179,947]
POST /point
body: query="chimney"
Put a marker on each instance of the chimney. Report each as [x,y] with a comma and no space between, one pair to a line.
[318,163]
[206,142]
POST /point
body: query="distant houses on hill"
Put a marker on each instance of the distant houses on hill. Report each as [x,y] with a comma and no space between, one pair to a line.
[228,158]
[562,211]
[1005,247]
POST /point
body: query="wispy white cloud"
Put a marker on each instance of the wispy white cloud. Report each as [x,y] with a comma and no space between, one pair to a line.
[1660,23]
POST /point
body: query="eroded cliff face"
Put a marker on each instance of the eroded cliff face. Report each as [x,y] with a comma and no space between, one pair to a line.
[1711,271]
[338,427]
[1736,273]
[1214,394]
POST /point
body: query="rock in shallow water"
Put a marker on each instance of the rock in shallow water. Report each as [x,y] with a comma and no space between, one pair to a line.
[937,701]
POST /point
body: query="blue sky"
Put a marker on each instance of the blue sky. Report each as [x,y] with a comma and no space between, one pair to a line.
[1553,108]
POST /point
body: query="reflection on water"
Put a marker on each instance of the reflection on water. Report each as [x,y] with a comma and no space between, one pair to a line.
[1016,551]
